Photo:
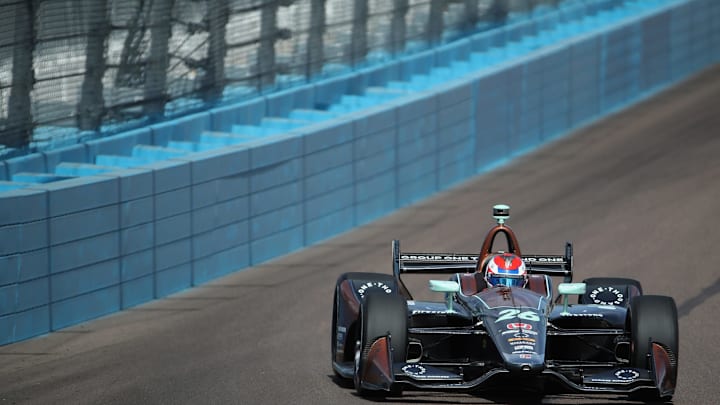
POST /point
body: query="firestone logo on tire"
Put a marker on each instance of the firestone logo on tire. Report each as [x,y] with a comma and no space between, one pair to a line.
[373,285]
[607,296]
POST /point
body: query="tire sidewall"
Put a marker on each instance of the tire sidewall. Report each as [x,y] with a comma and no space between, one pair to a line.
[652,318]
[380,314]
[620,290]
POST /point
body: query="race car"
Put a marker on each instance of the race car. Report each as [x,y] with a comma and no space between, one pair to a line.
[502,324]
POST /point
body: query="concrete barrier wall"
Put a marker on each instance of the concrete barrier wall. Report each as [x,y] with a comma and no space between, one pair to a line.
[99,227]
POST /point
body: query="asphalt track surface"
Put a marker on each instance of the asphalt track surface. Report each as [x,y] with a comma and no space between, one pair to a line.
[638,193]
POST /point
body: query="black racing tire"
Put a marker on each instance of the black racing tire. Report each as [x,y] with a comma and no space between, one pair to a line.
[355,278]
[363,277]
[610,291]
[333,336]
[653,318]
[381,314]
[370,282]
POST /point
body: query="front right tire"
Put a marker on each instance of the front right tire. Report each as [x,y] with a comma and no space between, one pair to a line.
[654,319]
[381,315]
[616,291]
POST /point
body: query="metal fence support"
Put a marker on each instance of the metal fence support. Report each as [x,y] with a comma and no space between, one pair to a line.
[435,21]
[358,41]
[213,82]
[315,38]
[150,59]
[91,107]
[266,49]
[398,26]
[471,15]
[497,12]
[19,123]
[157,63]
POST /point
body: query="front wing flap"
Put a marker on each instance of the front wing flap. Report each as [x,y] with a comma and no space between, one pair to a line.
[619,380]
[381,373]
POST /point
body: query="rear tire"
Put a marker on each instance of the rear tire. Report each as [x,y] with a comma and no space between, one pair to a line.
[653,318]
[610,291]
[381,314]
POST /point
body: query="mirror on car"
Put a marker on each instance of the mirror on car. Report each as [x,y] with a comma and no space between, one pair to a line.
[444,286]
[572,288]
[447,287]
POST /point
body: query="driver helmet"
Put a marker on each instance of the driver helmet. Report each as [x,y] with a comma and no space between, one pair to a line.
[506,269]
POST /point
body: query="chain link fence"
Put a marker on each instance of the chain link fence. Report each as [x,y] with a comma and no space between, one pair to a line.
[77,69]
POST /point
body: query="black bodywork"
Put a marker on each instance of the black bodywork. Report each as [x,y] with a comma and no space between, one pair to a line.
[484,338]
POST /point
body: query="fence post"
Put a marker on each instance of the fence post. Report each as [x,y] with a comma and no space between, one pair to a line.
[398,27]
[214,80]
[158,61]
[19,122]
[435,23]
[358,41]
[497,12]
[471,15]
[266,49]
[91,107]
[315,42]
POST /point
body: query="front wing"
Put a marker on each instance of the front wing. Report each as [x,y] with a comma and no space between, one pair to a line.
[611,379]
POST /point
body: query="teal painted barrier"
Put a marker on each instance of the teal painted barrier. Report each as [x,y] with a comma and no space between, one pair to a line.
[103,226]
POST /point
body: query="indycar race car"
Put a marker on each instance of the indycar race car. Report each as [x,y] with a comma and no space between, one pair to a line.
[501,326]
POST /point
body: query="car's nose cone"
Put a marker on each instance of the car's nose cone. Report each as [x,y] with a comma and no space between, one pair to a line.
[525,363]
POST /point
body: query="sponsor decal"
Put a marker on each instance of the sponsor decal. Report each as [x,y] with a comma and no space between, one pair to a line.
[362,290]
[519,325]
[607,296]
[524,356]
[521,340]
[544,259]
[523,348]
[627,374]
[428,312]
[414,369]
[524,333]
[607,307]
[507,314]
[622,376]
[439,258]
[568,315]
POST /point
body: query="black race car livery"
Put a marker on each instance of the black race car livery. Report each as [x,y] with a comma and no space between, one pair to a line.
[613,339]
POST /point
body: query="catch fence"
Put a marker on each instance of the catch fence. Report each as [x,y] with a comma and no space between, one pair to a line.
[72,70]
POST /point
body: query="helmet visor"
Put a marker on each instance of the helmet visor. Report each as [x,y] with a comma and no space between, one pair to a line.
[506,281]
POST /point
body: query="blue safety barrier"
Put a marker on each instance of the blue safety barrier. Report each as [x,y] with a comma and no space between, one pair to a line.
[105,225]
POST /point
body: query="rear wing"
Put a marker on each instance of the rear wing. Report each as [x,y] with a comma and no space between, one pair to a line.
[404,262]
[551,265]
